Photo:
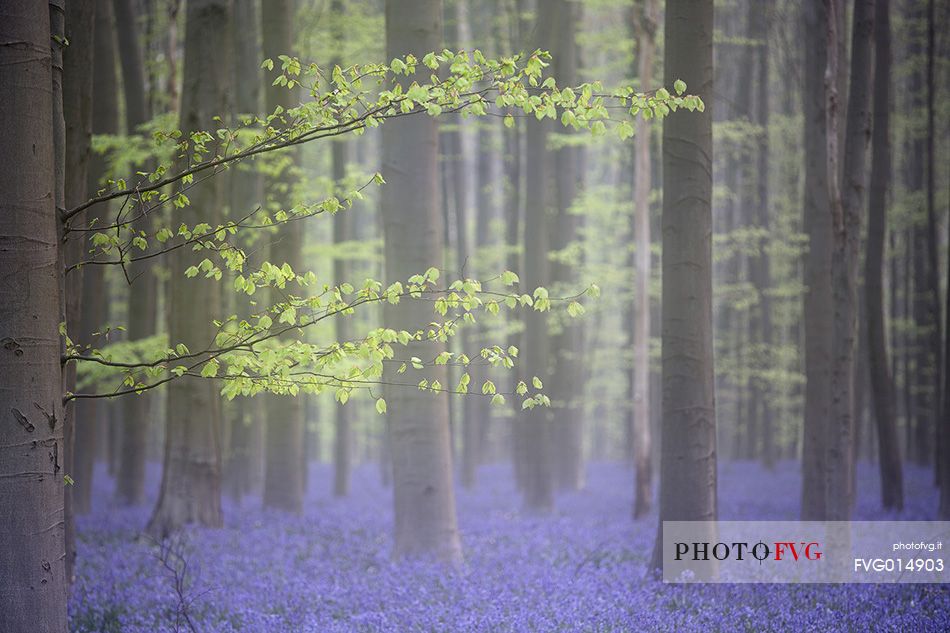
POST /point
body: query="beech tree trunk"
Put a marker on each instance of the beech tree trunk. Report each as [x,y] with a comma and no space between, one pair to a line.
[285,467]
[688,439]
[425,521]
[567,378]
[818,298]
[191,477]
[882,383]
[538,483]
[134,411]
[242,469]
[33,583]
[846,222]
[646,22]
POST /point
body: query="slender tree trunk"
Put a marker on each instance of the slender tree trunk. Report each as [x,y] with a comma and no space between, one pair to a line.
[33,584]
[191,477]
[135,419]
[535,422]
[846,218]
[688,440]
[418,422]
[343,421]
[882,383]
[818,297]
[241,464]
[568,373]
[645,32]
[286,468]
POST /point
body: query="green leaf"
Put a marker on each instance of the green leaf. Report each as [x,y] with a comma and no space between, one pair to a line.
[537,383]
[380,406]
[679,86]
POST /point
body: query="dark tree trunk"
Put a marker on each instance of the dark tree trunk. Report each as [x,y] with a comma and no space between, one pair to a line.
[688,439]
[818,297]
[134,410]
[418,422]
[882,383]
[33,595]
[191,477]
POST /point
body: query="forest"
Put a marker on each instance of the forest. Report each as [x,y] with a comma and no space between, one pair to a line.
[425,315]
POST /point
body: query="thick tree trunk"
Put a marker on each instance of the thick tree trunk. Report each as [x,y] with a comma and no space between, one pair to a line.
[646,22]
[134,410]
[286,468]
[817,223]
[688,440]
[343,420]
[418,422]
[882,382]
[191,478]
[32,551]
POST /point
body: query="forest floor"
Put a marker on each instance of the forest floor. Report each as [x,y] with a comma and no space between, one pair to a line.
[580,569]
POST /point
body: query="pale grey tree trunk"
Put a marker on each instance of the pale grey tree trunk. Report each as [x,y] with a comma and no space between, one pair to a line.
[32,545]
[418,422]
[645,25]
[817,223]
[285,469]
[191,477]
[688,438]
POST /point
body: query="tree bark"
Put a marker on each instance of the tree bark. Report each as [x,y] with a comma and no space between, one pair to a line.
[882,382]
[134,412]
[191,477]
[285,467]
[244,455]
[818,297]
[568,376]
[688,440]
[537,438]
[33,587]
[645,25]
[425,521]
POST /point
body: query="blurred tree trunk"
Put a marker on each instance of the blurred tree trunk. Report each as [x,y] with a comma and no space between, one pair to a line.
[688,439]
[342,233]
[847,205]
[285,467]
[135,418]
[105,120]
[191,477]
[413,235]
[241,464]
[568,374]
[646,21]
[759,265]
[33,599]
[536,423]
[818,297]
[882,382]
